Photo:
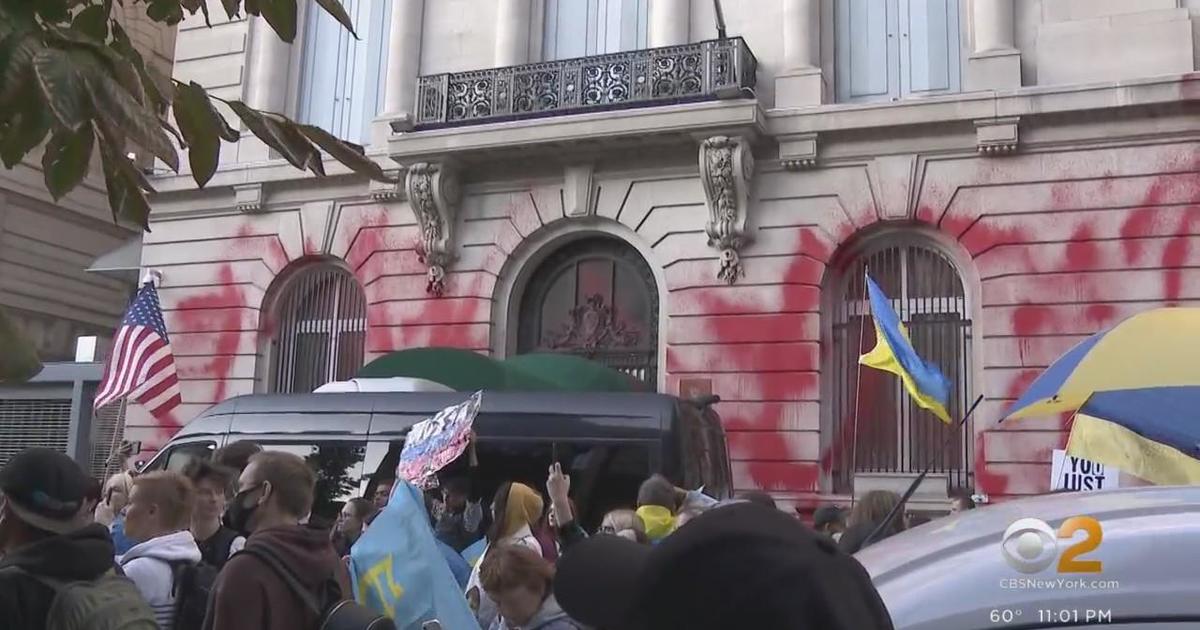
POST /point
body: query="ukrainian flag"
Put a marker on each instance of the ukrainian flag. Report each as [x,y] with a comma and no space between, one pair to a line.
[894,353]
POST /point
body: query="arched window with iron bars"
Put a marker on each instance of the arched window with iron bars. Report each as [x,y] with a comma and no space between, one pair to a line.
[877,428]
[320,329]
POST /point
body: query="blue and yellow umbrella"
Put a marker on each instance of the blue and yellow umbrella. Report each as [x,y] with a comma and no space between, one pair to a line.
[1135,390]
[1153,433]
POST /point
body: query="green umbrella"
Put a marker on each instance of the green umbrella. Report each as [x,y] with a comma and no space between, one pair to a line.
[572,373]
[462,370]
[458,369]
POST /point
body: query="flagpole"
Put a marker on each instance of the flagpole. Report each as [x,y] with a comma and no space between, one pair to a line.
[862,334]
[917,482]
[112,447]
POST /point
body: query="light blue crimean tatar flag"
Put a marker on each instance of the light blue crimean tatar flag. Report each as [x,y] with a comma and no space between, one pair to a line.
[399,571]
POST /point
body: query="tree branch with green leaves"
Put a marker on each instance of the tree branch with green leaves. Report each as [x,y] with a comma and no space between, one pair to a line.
[72,81]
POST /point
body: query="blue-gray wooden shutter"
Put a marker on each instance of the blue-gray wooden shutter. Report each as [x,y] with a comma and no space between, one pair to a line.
[322,64]
[931,51]
[868,50]
[342,77]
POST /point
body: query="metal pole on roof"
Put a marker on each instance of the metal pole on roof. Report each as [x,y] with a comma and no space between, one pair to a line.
[720,19]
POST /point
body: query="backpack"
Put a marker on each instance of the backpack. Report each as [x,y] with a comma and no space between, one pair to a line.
[192,586]
[109,602]
[333,613]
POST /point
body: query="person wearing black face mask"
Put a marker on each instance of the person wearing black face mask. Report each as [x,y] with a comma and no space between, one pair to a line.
[274,494]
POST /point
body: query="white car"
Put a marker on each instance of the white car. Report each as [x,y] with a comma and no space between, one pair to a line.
[1119,559]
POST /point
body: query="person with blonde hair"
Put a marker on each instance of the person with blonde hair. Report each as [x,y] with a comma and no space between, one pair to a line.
[624,523]
[114,496]
[158,520]
[516,508]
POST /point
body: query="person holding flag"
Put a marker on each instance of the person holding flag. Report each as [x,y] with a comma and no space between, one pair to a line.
[894,352]
[396,566]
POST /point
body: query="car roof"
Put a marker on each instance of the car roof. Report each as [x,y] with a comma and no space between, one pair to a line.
[396,411]
[950,573]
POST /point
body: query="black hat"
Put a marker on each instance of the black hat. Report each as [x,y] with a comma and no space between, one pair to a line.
[44,488]
[827,514]
[739,565]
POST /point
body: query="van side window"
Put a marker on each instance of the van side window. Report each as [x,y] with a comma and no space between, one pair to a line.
[180,455]
[338,466]
[604,476]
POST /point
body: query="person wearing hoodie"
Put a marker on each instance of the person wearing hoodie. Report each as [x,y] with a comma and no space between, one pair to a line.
[275,493]
[521,583]
[41,498]
[158,517]
[657,504]
[515,509]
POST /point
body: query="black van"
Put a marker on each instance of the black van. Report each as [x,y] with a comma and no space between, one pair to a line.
[607,442]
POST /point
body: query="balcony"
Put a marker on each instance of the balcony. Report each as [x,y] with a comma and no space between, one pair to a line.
[703,71]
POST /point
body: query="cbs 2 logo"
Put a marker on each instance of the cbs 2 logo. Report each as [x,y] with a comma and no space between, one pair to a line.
[1030,545]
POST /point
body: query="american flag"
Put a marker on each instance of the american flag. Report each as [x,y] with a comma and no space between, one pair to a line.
[141,365]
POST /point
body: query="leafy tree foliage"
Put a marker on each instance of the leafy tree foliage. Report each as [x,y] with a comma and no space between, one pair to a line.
[72,81]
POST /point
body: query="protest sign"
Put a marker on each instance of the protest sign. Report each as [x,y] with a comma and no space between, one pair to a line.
[1078,474]
[435,442]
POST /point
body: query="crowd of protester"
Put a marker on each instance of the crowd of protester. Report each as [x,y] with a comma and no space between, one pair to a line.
[226,545]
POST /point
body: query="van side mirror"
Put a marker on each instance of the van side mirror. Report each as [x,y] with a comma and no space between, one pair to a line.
[704,402]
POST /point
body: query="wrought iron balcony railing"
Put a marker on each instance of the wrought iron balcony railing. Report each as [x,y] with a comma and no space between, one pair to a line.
[714,69]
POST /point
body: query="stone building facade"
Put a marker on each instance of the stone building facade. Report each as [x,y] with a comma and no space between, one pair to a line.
[614,178]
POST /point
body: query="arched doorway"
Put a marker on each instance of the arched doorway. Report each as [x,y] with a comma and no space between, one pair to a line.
[320,328]
[876,426]
[596,298]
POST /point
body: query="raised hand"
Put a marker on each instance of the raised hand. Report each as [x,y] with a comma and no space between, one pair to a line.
[558,486]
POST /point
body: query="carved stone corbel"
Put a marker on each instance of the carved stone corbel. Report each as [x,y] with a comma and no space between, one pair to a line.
[726,170]
[434,194]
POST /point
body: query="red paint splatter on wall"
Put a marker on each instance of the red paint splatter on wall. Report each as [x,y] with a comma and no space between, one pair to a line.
[987,481]
[1175,255]
[1082,252]
[1100,315]
[1032,319]
[753,457]
[228,332]
[248,244]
